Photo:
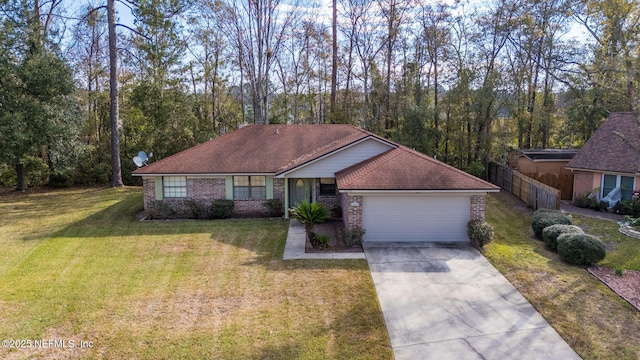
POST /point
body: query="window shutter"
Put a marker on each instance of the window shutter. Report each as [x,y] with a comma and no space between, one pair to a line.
[269,184]
[158,188]
[228,187]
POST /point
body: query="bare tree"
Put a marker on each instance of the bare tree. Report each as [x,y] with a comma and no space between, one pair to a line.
[334,58]
[116,168]
[257,28]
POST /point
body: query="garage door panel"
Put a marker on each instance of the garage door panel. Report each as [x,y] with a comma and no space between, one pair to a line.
[416,218]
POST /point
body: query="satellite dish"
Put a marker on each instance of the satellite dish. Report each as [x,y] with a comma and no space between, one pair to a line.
[142,155]
[141,159]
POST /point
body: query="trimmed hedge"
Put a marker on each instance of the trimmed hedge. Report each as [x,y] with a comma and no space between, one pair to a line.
[580,249]
[550,234]
[480,233]
[221,209]
[545,217]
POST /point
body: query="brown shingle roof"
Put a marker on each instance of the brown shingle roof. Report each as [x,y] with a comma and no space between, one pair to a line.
[607,151]
[258,149]
[406,169]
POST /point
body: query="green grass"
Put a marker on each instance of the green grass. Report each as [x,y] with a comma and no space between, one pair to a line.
[594,321]
[76,265]
[623,252]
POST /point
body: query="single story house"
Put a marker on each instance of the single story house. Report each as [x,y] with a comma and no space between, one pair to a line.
[607,160]
[393,192]
[547,166]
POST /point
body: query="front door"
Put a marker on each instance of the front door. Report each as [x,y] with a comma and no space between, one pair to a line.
[300,190]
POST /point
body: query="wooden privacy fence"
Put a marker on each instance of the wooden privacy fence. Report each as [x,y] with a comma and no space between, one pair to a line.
[534,193]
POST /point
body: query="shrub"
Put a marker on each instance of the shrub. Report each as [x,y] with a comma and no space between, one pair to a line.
[623,207]
[550,234]
[631,221]
[310,214]
[319,241]
[545,217]
[221,209]
[61,178]
[353,236]
[628,207]
[274,206]
[7,175]
[589,200]
[198,210]
[480,233]
[582,200]
[580,249]
[36,170]
[161,210]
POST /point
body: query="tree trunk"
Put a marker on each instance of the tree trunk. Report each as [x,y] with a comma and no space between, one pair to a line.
[116,170]
[334,62]
[22,179]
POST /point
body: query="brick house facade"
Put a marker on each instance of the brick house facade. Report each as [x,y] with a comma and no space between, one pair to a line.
[395,192]
[207,189]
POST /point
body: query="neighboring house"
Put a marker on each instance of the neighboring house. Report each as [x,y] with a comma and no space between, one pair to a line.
[546,166]
[395,193]
[606,160]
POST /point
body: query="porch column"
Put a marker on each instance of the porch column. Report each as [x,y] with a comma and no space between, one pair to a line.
[286,197]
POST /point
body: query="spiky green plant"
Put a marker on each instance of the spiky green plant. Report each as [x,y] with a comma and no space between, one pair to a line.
[310,214]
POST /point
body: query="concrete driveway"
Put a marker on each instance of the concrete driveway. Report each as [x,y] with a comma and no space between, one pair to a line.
[449,302]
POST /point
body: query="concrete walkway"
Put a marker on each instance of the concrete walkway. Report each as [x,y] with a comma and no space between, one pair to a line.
[568,207]
[449,302]
[296,240]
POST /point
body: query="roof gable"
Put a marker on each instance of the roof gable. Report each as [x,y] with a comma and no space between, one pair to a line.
[607,151]
[406,169]
[335,158]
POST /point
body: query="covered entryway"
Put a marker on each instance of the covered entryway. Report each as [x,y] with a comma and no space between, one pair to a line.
[300,190]
[416,218]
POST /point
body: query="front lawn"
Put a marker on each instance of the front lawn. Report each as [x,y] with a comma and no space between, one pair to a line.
[77,266]
[594,321]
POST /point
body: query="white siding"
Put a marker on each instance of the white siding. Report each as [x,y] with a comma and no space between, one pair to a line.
[428,218]
[327,167]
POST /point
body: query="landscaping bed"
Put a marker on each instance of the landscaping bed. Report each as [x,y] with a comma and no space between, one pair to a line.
[626,284]
[333,228]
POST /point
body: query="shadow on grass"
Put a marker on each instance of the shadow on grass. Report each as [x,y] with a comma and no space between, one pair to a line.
[265,237]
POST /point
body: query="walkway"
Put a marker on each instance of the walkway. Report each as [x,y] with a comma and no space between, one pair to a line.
[444,302]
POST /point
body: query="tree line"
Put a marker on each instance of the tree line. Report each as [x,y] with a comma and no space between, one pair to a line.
[463,81]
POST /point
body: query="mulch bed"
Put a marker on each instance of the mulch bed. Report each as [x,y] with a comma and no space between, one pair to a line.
[627,285]
[333,228]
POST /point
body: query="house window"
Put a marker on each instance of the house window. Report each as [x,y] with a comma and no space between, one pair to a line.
[327,186]
[625,183]
[174,186]
[249,187]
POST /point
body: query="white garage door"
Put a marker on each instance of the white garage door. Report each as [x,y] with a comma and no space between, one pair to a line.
[416,218]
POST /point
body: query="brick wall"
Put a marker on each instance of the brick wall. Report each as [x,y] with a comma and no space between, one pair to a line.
[328,201]
[352,210]
[584,182]
[149,191]
[207,190]
[478,206]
